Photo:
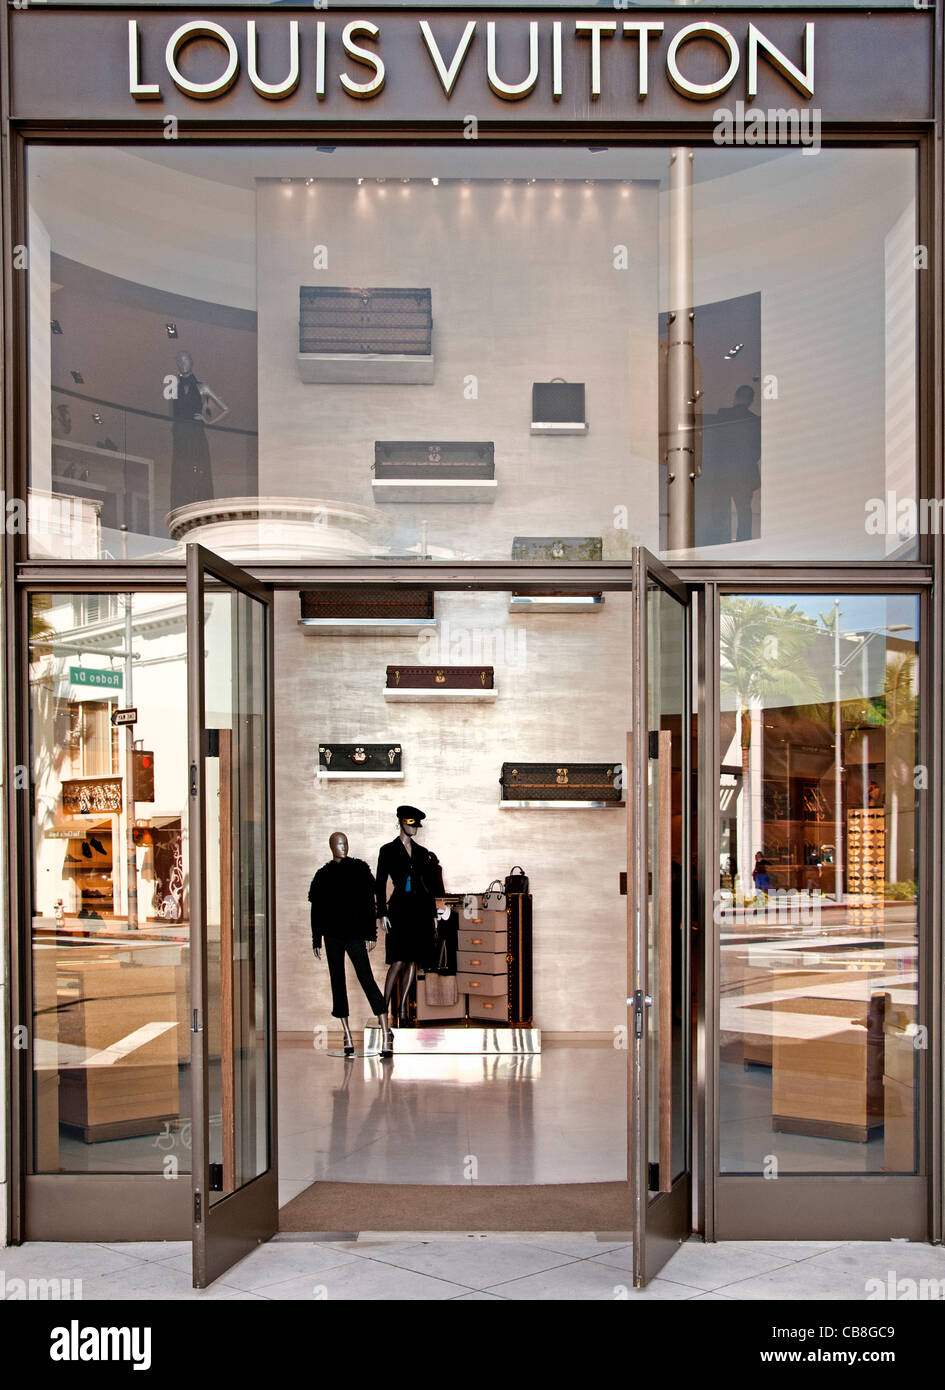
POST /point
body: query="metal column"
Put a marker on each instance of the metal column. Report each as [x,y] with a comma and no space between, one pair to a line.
[680,456]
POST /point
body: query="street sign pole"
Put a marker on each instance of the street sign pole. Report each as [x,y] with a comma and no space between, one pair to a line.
[131,853]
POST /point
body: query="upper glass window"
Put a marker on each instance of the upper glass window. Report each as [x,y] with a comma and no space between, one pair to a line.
[472,353]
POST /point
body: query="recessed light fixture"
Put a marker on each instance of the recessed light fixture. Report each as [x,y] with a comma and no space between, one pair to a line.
[405,180]
[309,182]
[97,419]
[360,181]
[381,180]
[171,330]
[78,378]
[285,180]
[56,326]
[435,181]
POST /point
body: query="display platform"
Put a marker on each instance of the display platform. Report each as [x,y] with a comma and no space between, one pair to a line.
[413,1042]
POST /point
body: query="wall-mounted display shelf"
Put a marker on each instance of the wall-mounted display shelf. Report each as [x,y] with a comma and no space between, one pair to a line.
[556,603]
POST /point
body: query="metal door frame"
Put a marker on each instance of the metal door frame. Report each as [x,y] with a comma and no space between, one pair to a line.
[230,1228]
[818,1206]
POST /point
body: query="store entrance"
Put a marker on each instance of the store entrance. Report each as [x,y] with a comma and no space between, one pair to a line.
[532,720]
[538,736]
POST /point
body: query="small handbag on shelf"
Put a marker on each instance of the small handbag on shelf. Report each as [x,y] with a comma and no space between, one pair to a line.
[516,880]
[493,899]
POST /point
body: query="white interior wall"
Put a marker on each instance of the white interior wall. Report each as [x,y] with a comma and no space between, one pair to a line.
[524,288]
[563,695]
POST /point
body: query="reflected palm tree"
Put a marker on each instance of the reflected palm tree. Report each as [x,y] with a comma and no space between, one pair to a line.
[763,658]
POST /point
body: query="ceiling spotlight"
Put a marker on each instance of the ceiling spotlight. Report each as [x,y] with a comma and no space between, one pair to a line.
[78,378]
[405,180]
[381,180]
[171,330]
[309,182]
[56,326]
[435,181]
[360,181]
[97,419]
[285,180]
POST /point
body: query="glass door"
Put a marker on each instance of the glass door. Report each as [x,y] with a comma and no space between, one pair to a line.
[658,833]
[229,650]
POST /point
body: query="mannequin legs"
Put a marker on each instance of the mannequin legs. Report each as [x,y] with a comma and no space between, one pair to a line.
[387,1037]
[349,1040]
[406,972]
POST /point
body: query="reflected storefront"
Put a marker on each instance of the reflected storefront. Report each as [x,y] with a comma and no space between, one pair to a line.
[417,430]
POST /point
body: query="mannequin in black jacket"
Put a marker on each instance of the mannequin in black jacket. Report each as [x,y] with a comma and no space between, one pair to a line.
[344,912]
[411,912]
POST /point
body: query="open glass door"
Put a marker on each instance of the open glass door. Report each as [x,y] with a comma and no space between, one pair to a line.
[658,827]
[229,655]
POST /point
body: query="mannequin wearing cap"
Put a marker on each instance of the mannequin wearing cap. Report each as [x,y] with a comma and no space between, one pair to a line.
[411,907]
[344,912]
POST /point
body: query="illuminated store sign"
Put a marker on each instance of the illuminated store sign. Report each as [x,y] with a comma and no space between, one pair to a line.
[515,58]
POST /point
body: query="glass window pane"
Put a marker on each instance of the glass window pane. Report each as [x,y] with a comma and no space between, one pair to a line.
[236,766]
[817,906]
[349,352]
[110,915]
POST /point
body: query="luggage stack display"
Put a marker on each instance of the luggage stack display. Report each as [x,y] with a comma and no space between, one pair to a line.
[494,961]
[394,609]
[581,785]
[365,334]
[558,407]
[467,684]
[361,760]
[455,471]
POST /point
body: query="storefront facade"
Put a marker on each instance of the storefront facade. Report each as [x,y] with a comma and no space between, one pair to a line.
[596,354]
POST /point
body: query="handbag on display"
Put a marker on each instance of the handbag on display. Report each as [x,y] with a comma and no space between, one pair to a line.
[367,601]
[493,899]
[516,880]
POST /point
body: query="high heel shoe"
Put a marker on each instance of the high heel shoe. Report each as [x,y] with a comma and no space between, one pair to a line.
[388,1051]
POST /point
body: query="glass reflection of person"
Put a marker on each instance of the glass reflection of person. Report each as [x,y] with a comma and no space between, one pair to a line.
[192,409]
[731,450]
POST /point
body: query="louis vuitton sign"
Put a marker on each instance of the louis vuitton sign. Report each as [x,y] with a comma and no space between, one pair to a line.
[442,67]
[362,69]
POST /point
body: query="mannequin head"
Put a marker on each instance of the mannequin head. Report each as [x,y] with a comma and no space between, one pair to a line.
[410,820]
[338,844]
[185,363]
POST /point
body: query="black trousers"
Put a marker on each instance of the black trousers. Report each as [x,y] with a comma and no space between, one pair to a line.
[335,950]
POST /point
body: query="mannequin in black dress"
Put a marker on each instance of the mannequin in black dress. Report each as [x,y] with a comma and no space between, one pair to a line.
[412,908]
[191,479]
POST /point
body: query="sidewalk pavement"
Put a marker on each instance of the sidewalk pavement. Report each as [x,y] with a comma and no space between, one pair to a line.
[530,1266]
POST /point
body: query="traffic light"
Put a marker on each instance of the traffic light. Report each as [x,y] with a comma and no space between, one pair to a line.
[143,789]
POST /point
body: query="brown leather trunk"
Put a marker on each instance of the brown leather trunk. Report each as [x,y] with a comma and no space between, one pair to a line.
[338,320]
[557,548]
[562,782]
[440,677]
[367,601]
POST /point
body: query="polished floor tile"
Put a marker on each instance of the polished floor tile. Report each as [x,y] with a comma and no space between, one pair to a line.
[476,1264]
[364,1280]
[419,1120]
[705,1267]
